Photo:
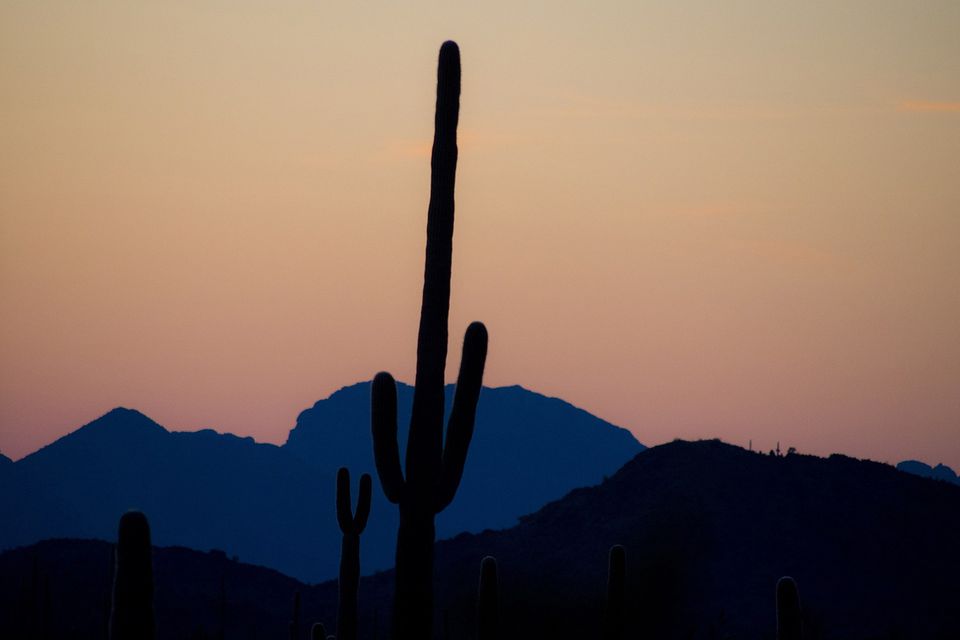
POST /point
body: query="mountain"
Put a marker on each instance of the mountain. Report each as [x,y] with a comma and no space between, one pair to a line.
[527,450]
[708,529]
[939,472]
[201,489]
[207,490]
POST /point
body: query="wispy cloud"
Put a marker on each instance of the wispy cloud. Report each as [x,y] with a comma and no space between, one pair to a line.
[927,106]
[583,107]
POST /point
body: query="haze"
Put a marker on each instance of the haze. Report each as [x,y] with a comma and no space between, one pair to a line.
[691,220]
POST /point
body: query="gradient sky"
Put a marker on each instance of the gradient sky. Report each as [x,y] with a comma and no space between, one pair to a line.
[691,220]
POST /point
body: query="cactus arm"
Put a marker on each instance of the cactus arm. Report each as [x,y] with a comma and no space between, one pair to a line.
[386,452]
[463,413]
[363,504]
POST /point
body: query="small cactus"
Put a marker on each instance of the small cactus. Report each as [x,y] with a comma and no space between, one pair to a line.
[613,620]
[352,525]
[132,616]
[318,631]
[434,466]
[488,601]
[789,624]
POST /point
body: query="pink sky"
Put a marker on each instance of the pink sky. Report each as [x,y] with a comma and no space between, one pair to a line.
[691,221]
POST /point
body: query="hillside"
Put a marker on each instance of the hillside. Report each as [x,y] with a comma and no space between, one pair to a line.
[709,528]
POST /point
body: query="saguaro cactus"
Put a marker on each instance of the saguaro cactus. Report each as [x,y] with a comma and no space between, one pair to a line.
[433,467]
[488,601]
[132,616]
[789,624]
[613,620]
[352,526]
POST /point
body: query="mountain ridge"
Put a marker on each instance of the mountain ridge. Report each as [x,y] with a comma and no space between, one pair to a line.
[218,490]
[938,472]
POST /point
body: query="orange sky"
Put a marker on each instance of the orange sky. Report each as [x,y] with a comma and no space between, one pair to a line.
[690,220]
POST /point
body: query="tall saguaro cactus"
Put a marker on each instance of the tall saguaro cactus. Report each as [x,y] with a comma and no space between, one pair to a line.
[789,623]
[132,616]
[352,525]
[434,467]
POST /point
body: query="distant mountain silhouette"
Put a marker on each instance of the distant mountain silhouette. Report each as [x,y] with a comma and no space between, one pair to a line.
[202,489]
[207,490]
[939,472]
[527,450]
[708,529]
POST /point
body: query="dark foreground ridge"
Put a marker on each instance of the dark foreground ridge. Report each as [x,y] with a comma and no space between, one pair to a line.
[708,529]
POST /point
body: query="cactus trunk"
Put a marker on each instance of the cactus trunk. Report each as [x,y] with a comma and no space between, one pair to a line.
[789,622]
[349,583]
[413,597]
[132,616]
[352,525]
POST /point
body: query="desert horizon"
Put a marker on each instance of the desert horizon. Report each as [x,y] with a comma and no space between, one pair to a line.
[689,221]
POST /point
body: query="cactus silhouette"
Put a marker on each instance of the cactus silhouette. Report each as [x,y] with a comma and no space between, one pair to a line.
[132,617]
[352,526]
[488,601]
[613,620]
[789,625]
[319,632]
[434,467]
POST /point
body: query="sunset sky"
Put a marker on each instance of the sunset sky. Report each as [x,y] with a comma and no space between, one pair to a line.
[693,220]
